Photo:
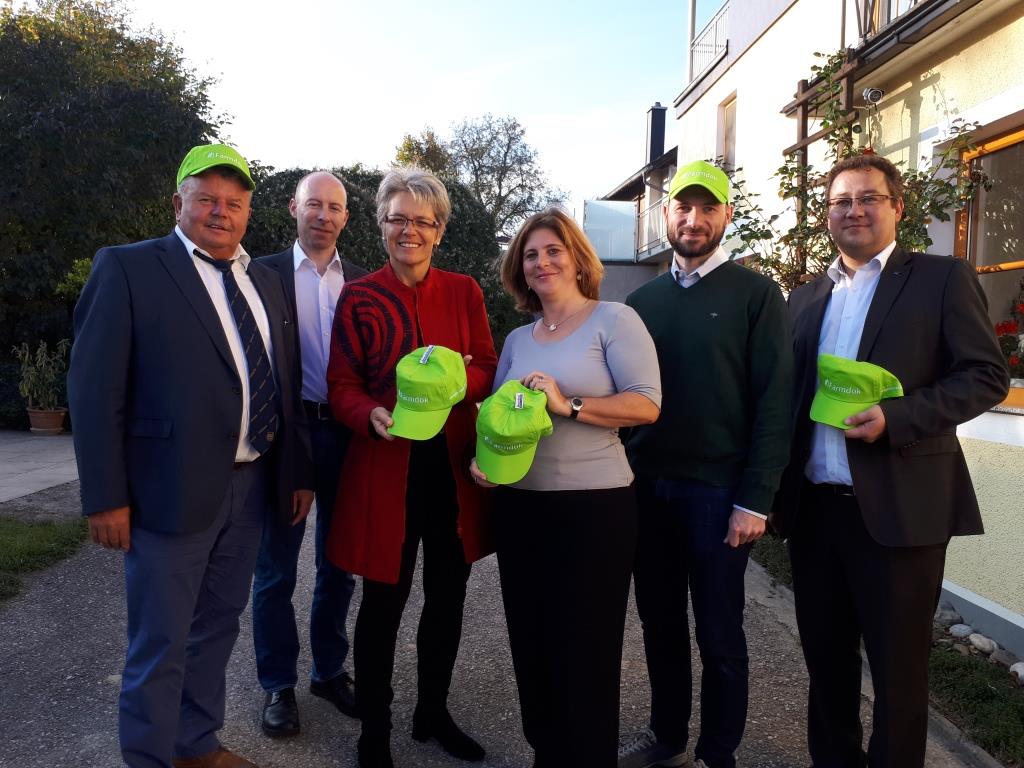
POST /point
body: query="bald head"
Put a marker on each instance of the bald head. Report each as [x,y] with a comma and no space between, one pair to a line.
[320,209]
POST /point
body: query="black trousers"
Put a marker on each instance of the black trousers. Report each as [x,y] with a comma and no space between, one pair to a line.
[565,559]
[431,515]
[849,586]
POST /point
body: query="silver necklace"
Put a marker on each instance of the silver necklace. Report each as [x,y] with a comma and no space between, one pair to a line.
[552,327]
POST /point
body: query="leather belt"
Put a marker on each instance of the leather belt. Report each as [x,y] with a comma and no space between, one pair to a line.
[317,411]
[831,489]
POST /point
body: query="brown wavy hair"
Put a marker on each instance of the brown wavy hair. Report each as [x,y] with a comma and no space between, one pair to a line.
[576,243]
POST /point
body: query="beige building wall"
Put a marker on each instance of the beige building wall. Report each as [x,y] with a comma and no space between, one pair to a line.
[991,565]
[763,80]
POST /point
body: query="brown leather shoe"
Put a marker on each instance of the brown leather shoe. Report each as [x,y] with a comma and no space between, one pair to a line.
[219,758]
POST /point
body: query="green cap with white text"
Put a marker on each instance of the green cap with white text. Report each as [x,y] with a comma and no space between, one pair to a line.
[846,387]
[430,381]
[701,174]
[510,424]
[207,156]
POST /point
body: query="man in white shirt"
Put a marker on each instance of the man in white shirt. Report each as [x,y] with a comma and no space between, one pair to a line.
[188,434]
[870,509]
[314,275]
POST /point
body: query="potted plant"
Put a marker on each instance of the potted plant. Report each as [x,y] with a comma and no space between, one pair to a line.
[42,382]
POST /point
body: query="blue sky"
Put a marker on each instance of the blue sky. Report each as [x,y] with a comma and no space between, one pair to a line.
[310,82]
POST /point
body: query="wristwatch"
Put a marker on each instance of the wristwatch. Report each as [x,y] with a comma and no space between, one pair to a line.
[577,405]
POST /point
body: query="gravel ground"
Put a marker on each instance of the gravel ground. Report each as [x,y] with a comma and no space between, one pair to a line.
[62,646]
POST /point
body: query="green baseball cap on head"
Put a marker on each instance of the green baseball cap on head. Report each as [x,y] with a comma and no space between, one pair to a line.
[510,424]
[846,387]
[207,156]
[430,381]
[701,174]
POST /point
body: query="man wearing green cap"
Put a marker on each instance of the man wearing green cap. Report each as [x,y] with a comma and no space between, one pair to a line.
[188,433]
[877,483]
[706,471]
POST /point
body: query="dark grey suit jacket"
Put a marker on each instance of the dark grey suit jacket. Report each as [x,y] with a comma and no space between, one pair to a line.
[928,324]
[155,396]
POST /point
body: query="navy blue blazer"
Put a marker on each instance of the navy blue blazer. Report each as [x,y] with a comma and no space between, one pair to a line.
[154,395]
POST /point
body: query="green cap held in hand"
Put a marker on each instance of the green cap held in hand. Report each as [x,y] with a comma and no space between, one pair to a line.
[510,424]
[430,381]
[846,387]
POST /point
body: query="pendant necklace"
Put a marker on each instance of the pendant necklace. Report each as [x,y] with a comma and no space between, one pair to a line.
[552,327]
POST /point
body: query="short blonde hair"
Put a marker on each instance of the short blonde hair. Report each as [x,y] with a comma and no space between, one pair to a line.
[422,185]
[568,231]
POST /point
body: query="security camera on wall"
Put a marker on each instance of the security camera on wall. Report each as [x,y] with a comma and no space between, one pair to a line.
[873,95]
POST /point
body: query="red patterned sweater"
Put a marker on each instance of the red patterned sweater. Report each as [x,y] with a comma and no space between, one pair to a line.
[378,320]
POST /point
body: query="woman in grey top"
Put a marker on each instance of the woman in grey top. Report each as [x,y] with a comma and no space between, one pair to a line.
[566,533]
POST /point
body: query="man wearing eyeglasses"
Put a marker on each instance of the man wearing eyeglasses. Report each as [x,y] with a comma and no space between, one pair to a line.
[870,509]
[313,274]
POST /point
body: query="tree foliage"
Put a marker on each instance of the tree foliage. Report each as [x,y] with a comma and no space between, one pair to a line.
[468,245]
[94,120]
[491,157]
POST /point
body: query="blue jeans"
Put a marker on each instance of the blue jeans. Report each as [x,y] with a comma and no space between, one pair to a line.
[682,527]
[275,635]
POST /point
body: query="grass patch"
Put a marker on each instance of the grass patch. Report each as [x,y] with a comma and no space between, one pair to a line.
[982,699]
[773,555]
[27,547]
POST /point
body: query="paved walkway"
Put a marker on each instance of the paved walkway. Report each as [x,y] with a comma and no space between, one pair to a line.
[62,647]
[30,463]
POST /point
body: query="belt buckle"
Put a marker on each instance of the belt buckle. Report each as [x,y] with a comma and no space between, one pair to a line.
[323,411]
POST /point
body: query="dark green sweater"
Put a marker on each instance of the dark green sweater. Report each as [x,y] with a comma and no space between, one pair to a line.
[726,358]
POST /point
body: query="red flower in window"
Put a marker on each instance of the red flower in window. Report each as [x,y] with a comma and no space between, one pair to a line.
[1020,309]
[1013,360]
[1007,328]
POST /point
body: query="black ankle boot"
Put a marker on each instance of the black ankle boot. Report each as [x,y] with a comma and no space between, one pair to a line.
[453,740]
[374,751]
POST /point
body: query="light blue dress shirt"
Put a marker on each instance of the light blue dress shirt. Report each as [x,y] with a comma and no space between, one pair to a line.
[316,297]
[841,330]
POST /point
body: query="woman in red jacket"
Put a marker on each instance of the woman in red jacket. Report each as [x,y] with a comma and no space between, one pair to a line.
[394,492]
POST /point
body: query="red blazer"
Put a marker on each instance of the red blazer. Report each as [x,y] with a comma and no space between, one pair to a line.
[378,320]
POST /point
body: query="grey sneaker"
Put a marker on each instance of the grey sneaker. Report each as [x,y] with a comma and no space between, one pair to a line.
[641,749]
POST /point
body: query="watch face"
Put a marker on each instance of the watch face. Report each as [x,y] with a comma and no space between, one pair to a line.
[576,403]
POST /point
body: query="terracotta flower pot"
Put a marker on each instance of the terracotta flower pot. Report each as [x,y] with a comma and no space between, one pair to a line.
[46,422]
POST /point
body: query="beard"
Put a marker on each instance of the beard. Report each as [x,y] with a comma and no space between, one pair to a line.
[695,251]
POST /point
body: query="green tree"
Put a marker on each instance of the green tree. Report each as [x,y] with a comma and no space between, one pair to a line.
[491,157]
[427,151]
[94,120]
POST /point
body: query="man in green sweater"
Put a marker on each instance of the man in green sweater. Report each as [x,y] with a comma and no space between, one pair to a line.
[706,471]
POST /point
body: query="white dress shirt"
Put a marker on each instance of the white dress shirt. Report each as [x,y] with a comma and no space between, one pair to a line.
[214,281]
[841,330]
[316,297]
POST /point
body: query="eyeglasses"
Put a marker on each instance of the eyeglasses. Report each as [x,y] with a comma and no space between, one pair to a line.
[844,204]
[401,222]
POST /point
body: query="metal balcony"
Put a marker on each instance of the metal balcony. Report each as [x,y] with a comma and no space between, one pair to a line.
[710,44]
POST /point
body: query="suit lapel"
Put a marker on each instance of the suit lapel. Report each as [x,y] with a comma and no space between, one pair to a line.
[178,263]
[285,263]
[818,303]
[890,283]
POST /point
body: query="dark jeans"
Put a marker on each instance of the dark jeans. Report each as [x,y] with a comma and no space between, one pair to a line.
[274,632]
[431,514]
[847,586]
[565,559]
[683,525]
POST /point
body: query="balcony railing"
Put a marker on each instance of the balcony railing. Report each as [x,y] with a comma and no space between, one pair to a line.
[650,229]
[710,43]
[875,15]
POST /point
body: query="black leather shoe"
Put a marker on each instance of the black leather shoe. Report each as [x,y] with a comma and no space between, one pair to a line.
[374,752]
[280,714]
[340,691]
[453,740]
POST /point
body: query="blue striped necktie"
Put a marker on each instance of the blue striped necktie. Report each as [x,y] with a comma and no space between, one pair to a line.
[262,408]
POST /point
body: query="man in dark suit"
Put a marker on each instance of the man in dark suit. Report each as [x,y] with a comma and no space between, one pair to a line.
[869,510]
[188,429]
[313,274]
